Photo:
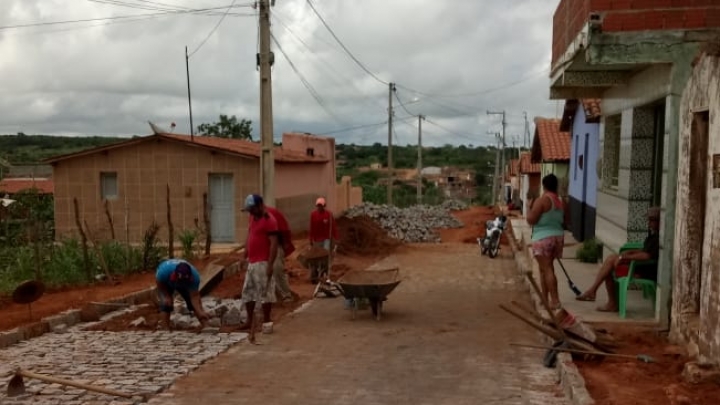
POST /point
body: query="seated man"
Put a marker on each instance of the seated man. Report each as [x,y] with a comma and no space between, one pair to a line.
[619,264]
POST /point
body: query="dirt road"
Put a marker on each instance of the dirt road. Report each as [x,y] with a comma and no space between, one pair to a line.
[443,340]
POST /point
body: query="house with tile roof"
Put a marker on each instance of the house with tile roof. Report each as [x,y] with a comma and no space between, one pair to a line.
[138,176]
[551,149]
[529,180]
[639,57]
[581,120]
[15,185]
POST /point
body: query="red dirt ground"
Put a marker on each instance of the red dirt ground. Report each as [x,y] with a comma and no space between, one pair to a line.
[631,382]
[474,220]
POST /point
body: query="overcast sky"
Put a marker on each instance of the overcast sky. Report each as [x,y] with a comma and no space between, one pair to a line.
[451,60]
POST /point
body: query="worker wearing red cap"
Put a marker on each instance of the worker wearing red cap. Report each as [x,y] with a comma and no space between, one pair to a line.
[323,233]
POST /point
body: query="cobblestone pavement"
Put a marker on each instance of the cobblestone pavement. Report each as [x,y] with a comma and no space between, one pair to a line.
[442,340]
[132,362]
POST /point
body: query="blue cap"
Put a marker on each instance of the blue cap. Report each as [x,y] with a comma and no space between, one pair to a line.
[252,200]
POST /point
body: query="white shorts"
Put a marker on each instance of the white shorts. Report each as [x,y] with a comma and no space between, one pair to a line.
[257,286]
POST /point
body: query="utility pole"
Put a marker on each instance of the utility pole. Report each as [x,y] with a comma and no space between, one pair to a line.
[265,59]
[502,145]
[391,178]
[497,165]
[419,160]
[187,70]
[526,135]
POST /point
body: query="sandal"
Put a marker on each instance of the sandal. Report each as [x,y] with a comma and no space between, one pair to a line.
[585,298]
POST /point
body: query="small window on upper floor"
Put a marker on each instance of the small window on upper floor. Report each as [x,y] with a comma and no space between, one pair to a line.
[108,186]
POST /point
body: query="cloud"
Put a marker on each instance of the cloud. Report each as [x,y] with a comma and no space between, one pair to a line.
[109,77]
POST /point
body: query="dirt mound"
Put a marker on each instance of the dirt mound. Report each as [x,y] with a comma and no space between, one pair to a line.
[362,235]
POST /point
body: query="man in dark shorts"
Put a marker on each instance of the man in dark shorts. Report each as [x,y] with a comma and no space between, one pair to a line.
[178,276]
[619,265]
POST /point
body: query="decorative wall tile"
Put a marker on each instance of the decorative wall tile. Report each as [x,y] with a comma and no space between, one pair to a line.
[643,153]
[637,236]
[643,124]
[641,185]
[637,216]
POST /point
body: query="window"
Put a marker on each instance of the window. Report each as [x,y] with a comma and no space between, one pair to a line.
[611,159]
[108,186]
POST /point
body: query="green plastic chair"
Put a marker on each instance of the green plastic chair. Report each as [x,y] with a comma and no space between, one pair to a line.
[648,287]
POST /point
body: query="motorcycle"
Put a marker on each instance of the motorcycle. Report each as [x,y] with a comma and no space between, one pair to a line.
[490,244]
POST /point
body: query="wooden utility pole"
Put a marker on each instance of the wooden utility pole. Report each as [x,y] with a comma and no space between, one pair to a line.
[497,166]
[419,160]
[265,59]
[391,176]
[502,150]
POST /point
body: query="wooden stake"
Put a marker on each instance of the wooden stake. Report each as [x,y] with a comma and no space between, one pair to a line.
[110,219]
[171,229]
[83,238]
[206,221]
[99,253]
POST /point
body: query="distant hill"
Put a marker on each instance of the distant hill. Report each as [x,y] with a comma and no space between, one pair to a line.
[30,149]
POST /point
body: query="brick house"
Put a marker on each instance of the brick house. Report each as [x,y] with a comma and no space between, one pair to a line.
[529,180]
[551,148]
[636,56]
[134,177]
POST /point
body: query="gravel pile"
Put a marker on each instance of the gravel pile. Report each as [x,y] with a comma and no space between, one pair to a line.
[412,225]
[454,205]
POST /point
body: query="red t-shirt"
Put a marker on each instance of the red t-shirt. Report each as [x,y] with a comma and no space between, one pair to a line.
[258,240]
[322,226]
[284,228]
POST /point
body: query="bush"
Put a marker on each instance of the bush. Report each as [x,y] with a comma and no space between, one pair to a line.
[187,238]
[151,252]
[590,252]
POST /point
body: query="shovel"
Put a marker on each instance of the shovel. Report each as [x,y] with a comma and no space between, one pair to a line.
[572,285]
[16,386]
[641,357]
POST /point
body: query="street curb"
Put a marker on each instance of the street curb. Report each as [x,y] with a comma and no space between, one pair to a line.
[68,318]
[570,379]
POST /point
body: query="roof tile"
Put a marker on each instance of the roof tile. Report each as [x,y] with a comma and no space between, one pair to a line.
[526,166]
[15,185]
[550,144]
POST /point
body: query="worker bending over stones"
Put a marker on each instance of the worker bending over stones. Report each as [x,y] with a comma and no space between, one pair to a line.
[179,276]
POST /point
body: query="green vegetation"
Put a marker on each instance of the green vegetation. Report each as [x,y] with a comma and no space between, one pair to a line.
[31,149]
[188,241]
[590,252]
[228,128]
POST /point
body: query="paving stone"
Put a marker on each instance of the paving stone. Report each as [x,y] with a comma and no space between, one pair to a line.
[133,362]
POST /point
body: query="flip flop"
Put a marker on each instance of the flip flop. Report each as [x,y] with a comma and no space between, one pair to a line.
[585,298]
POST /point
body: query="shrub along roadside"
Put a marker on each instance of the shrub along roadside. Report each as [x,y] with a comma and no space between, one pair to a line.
[61,264]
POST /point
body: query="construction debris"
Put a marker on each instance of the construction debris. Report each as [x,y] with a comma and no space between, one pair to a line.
[454,205]
[414,224]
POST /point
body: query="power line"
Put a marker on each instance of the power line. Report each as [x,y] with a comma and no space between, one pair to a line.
[212,31]
[451,131]
[120,17]
[336,131]
[309,2]
[304,81]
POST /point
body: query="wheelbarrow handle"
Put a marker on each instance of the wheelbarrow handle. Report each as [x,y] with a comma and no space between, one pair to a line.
[70,383]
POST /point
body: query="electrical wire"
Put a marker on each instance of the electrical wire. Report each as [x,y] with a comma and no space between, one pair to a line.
[362,66]
[120,17]
[336,131]
[304,81]
[212,31]
[480,92]
[450,131]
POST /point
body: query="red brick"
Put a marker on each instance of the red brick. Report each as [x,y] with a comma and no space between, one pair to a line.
[713,18]
[674,19]
[612,22]
[644,4]
[695,18]
[600,5]
[654,20]
[622,4]
[634,22]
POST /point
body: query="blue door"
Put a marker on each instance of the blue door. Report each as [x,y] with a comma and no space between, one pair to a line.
[222,208]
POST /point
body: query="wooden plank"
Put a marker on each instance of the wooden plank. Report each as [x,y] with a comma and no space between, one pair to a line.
[209,273]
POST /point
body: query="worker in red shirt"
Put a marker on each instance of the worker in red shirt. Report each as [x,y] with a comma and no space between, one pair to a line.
[323,233]
[261,250]
[285,249]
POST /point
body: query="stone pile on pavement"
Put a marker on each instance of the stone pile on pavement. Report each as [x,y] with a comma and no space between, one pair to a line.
[139,363]
[454,205]
[223,312]
[412,225]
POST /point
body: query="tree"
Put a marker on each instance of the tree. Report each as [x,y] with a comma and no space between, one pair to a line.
[228,128]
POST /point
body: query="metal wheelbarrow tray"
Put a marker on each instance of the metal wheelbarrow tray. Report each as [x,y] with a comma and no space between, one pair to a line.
[373,285]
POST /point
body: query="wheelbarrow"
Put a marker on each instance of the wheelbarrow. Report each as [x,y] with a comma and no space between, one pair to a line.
[317,257]
[372,285]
